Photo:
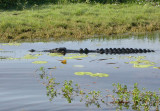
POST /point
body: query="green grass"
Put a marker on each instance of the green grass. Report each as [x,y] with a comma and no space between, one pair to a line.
[78,21]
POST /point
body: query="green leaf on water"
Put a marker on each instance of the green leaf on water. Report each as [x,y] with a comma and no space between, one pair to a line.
[37,54]
[92,74]
[140,63]
[156,67]
[142,66]
[11,58]
[55,54]
[12,44]
[40,62]
[1,49]
[41,68]
[29,56]
[75,57]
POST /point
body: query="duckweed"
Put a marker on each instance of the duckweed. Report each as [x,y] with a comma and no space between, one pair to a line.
[92,74]
[40,62]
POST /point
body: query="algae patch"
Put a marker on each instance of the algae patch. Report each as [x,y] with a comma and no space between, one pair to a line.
[92,74]
[40,62]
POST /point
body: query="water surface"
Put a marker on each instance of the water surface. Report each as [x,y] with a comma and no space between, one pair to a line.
[20,90]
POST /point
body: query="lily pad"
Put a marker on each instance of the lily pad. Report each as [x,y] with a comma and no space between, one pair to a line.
[37,54]
[55,54]
[40,62]
[1,57]
[29,56]
[142,66]
[75,57]
[92,74]
[140,63]
[156,67]
[12,44]
[1,49]
[11,58]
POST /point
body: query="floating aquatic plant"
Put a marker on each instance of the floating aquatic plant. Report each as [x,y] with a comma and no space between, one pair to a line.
[140,63]
[12,44]
[156,67]
[37,54]
[40,62]
[92,74]
[75,57]
[11,58]
[1,49]
[2,57]
[29,56]
[55,54]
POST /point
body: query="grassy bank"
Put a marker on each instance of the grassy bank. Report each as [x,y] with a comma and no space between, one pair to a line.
[78,21]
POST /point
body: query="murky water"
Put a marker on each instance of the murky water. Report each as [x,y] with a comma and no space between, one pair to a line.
[20,90]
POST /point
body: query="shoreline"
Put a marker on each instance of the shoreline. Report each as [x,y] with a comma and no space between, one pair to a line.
[78,21]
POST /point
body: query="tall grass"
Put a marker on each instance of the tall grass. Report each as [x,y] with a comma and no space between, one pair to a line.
[21,4]
[78,20]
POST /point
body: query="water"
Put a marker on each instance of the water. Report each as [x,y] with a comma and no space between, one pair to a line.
[21,88]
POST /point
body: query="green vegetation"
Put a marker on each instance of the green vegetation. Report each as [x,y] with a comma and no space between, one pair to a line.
[136,98]
[92,74]
[78,21]
[21,4]
[122,97]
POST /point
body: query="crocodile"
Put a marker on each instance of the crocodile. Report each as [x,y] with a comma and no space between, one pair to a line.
[64,50]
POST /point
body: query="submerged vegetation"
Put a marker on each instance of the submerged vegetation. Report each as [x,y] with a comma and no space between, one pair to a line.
[78,21]
[122,97]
